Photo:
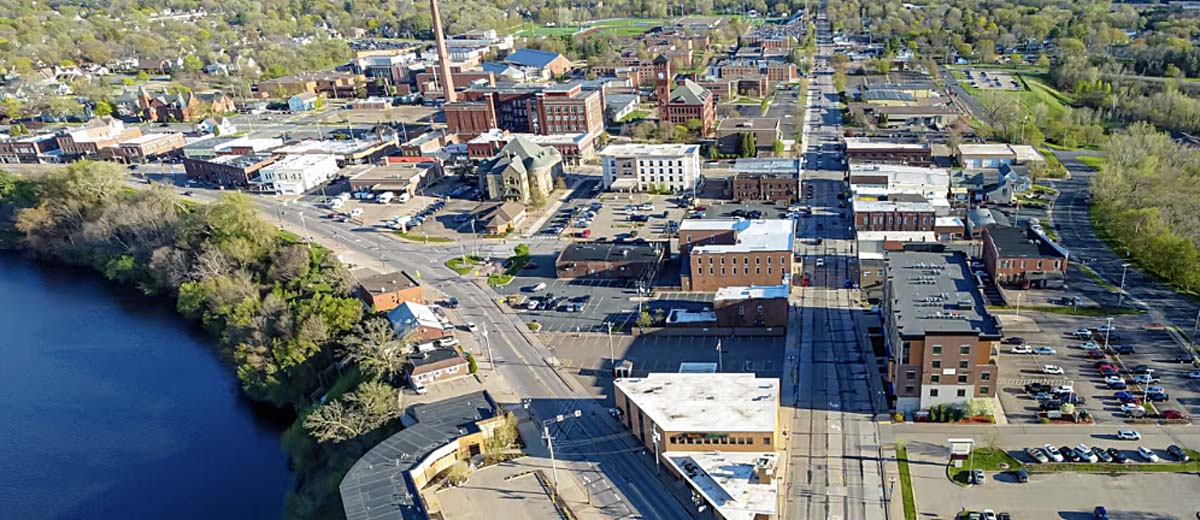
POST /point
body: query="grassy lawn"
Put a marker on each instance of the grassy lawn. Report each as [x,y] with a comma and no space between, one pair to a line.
[464,265]
[619,27]
[636,115]
[910,500]
[1094,162]
[499,280]
[989,459]
[1140,467]
[1069,310]
[425,239]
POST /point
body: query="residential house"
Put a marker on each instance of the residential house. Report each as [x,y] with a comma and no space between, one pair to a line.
[498,218]
[217,126]
[384,292]
[417,323]
[429,366]
[303,102]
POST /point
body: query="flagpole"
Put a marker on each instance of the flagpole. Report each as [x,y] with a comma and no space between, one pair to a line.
[719,356]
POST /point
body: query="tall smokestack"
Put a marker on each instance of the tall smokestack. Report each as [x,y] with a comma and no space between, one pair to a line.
[443,56]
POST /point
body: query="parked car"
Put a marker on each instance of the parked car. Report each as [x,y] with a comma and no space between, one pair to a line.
[1085,453]
[1037,454]
[1069,454]
[1147,454]
[1195,374]
[1054,454]
[1145,379]
[1052,369]
[1051,405]
[1117,456]
[1099,513]
[1129,435]
[1179,453]
[1143,369]
[1171,414]
[1045,351]
[1014,340]
[977,477]
[1083,334]
[1102,455]
[1126,397]
[1124,350]
[1064,389]
[1088,345]
[1133,409]
[1021,349]
[1094,354]
[1183,357]
[1157,397]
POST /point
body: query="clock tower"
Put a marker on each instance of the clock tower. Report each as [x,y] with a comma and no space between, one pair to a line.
[663,79]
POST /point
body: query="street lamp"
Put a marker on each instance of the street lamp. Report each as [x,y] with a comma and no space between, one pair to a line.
[1107,331]
[488,345]
[550,440]
[612,356]
[1121,296]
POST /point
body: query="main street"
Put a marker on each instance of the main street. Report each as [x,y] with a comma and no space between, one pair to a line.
[834,467]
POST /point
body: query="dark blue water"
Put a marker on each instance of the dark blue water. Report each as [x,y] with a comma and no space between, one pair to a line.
[111,406]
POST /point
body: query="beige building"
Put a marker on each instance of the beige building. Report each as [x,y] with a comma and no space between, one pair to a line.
[522,172]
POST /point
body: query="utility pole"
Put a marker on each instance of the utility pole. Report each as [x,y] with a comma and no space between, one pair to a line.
[611,353]
[550,440]
[488,345]
[1107,331]
[1121,296]
[307,237]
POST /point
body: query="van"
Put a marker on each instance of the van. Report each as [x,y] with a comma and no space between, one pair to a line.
[385,197]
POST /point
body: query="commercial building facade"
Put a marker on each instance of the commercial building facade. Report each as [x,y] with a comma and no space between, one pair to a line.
[296,174]
[610,260]
[384,292]
[732,253]
[938,332]
[1023,258]
[235,171]
[911,154]
[889,215]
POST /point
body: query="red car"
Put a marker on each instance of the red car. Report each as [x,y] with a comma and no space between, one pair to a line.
[1172,414]
[1095,354]
[806,281]
[531,265]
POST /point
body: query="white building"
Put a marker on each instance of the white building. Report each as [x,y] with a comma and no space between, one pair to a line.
[647,167]
[296,174]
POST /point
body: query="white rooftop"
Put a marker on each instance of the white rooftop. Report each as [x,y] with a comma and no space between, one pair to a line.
[708,403]
[257,144]
[948,221]
[301,162]
[753,291]
[858,143]
[1027,153]
[692,367]
[326,146]
[752,235]
[896,236]
[985,149]
[861,205]
[147,138]
[643,149]
[728,481]
[684,317]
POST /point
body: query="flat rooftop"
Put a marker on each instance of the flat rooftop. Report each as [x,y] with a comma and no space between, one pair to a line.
[985,149]
[861,144]
[748,123]
[752,235]
[767,166]
[387,282]
[327,146]
[642,149]
[934,293]
[147,138]
[872,206]
[729,482]
[751,292]
[612,252]
[723,402]
[300,162]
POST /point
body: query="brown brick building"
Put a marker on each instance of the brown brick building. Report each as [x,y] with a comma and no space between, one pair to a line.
[27,149]
[893,215]
[228,170]
[730,131]
[144,147]
[561,109]
[428,367]
[938,333]
[727,253]
[1022,258]
[910,154]
[683,100]
[752,306]
[778,187]
[332,84]
[610,260]
[384,292]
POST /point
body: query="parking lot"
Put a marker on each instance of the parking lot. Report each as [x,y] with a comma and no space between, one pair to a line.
[604,216]
[1153,347]
[587,355]
[991,80]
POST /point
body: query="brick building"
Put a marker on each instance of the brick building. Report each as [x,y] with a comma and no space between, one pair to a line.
[560,109]
[145,147]
[333,84]
[97,134]
[860,150]
[754,306]
[31,149]
[1023,258]
[431,366]
[727,253]
[894,215]
[610,260]
[682,100]
[730,131]
[228,170]
[938,332]
[765,179]
[417,322]
[384,292]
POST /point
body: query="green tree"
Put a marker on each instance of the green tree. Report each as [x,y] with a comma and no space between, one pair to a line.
[521,250]
[61,107]
[103,108]
[192,64]
[645,320]
[777,148]
[374,348]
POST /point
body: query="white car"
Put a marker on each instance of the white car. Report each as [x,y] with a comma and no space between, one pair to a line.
[1156,390]
[1064,389]
[1089,346]
[1103,329]
[820,262]
[1129,435]
[1195,374]
[1086,453]
[1132,410]
[1053,452]
[1147,454]
[1045,351]
[1052,369]
[988,514]
[1022,349]
[471,326]
[1082,333]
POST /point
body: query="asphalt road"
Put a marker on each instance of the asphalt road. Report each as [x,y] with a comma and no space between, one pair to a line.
[1070,213]
[833,463]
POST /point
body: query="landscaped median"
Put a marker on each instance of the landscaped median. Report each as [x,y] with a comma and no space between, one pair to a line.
[1069,310]
[986,459]
[906,489]
[1191,466]
[464,264]
[425,239]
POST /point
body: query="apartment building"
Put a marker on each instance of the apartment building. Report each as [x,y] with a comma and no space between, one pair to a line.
[651,167]
[905,214]
[728,253]
[937,330]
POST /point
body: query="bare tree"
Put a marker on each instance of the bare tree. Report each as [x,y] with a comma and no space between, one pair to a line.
[370,406]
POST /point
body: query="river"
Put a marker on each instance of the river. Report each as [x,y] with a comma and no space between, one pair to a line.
[112,406]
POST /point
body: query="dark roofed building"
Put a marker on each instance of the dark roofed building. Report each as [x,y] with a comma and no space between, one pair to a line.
[731,129]
[385,483]
[688,100]
[549,63]
[429,366]
[498,218]
[384,292]
[610,260]
[1023,258]
[521,171]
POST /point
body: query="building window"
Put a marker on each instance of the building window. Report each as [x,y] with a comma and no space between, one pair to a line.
[964,364]
[933,392]
[986,376]
[766,441]
[909,389]
[964,350]
[962,392]
[983,390]
[910,375]
[935,379]
[962,379]
[937,363]
[937,349]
